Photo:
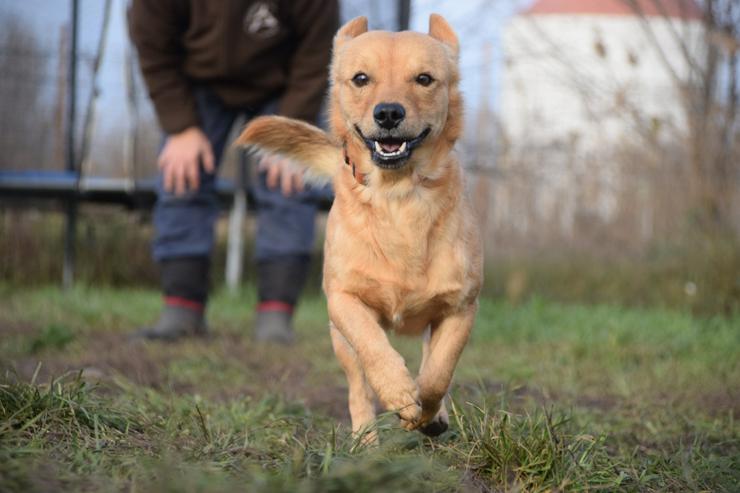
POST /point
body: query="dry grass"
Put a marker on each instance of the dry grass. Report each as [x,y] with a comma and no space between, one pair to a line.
[548,397]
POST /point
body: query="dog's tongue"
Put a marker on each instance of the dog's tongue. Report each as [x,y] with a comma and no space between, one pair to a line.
[390,147]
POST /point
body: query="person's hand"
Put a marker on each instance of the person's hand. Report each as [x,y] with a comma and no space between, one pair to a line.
[281,172]
[181,157]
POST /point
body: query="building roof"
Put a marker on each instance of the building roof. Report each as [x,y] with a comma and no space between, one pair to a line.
[682,9]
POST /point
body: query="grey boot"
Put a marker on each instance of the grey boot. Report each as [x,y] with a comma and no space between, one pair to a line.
[274,326]
[174,323]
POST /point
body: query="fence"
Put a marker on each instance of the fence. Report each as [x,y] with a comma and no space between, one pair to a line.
[67,91]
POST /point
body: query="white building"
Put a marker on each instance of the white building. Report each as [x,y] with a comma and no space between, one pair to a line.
[582,77]
[592,71]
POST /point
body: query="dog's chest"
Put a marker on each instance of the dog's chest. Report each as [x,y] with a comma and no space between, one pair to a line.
[412,300]
[408,291]
[409,262]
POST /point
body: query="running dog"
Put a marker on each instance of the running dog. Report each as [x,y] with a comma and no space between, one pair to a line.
[402,250]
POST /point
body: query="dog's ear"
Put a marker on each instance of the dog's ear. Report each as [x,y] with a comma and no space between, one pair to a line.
[440,30]
[350,30]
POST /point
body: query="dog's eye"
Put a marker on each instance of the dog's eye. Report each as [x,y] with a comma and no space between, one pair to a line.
[360,79]
[424,79]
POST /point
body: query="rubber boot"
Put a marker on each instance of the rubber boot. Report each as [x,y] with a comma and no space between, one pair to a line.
[175,322]
[279,283]
[185,287]
[274,326]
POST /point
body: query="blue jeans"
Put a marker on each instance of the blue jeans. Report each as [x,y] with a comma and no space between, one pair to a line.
[185,225]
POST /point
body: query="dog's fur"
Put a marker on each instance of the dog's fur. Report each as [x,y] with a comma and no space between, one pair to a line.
[402,250]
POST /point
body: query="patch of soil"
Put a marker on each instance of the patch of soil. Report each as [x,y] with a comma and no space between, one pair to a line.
[275,370]
[720,403]
[519,397]
[330,400]
[8,328]
[512,396]
[714,403]
[286,371]
[103,357]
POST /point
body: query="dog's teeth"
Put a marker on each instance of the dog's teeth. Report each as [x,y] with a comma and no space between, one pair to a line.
[401,149]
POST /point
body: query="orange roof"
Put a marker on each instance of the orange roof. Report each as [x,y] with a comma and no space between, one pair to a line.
[683,9]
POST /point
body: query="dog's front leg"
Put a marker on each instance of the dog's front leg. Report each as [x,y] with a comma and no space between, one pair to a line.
[360,398]
[446,343]
[384,368]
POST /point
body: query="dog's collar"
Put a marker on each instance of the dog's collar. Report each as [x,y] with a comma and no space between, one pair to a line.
[360,178]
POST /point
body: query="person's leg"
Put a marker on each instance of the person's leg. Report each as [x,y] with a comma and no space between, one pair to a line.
[184,235]
[285,237]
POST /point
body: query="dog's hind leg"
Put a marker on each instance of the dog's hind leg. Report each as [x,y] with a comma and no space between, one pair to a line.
[440,422]
[361,405]
[445,345]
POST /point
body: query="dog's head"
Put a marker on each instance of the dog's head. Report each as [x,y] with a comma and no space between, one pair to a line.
[395,94]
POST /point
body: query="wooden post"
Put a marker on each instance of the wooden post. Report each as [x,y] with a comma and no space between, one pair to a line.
[235,241]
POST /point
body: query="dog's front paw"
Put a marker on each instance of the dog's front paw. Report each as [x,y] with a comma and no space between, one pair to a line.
[404,401]
[435,428]
[410,414]
[437,425]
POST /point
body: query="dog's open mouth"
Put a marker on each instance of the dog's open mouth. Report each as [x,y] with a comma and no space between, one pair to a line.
[392,152]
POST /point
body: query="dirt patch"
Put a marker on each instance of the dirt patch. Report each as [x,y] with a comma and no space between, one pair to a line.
[8,328]
[101,358]
[714,403]
[286,371]
[496,392]
[521,396]
[265,369]
[721,403]
[328,399]
[598,402]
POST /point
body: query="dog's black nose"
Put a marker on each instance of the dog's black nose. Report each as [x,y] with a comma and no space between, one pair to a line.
[389,115]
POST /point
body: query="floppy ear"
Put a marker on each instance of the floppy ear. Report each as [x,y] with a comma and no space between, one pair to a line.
[440,30]
[350,30]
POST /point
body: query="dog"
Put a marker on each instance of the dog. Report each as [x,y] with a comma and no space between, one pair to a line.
[402,249]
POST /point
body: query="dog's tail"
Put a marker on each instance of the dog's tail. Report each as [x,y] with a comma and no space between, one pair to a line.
[303,144]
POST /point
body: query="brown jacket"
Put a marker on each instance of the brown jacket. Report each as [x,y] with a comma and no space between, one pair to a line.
[247,51]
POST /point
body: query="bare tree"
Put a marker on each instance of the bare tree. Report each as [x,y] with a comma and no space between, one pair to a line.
[23,65]
[710,92]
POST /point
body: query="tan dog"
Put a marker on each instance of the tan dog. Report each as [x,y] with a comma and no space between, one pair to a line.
[402,251]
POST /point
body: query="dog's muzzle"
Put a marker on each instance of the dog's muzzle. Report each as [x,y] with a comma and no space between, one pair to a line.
[392,152]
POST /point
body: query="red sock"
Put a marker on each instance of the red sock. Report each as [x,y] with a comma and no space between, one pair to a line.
[274,306]
[179,302]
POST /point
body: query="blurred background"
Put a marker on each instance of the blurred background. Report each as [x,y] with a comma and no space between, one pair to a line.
[602,146]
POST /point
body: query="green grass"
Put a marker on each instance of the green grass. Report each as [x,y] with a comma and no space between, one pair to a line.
[689,270]
[696,273]
[547,397]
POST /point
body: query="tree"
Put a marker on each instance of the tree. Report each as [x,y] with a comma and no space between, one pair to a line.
[710,93]
[22,64]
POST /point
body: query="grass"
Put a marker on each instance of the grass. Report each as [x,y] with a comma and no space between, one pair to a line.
[697,273]
[547,397]
[690,270]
